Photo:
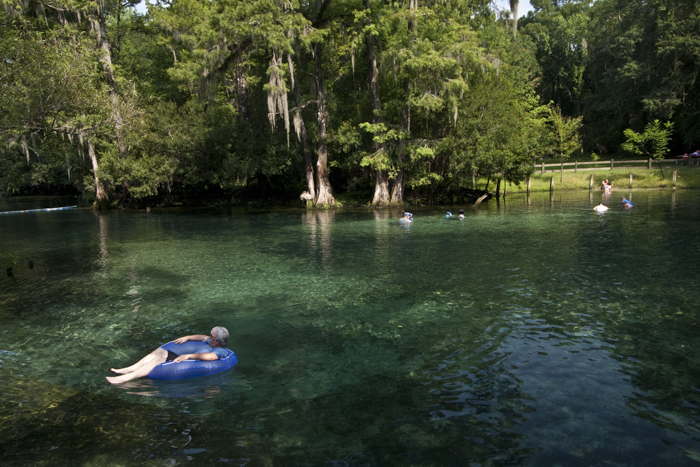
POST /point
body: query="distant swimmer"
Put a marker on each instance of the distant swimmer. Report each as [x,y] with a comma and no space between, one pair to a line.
[460,216]
[601,208]
[626,203]
[407,217]
[607,186]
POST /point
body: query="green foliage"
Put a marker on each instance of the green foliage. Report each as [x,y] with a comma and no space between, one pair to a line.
[560,33]
[653,142]
[213,93]
[644,65]
[564,132]
[502,128]
[53,99]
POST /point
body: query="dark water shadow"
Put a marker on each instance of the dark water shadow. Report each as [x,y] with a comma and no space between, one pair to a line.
[205,387]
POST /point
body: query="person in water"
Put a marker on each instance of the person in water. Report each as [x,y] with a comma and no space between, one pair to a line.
[408,216]
[213,350]
[626,203]
[601,208]
[461,214]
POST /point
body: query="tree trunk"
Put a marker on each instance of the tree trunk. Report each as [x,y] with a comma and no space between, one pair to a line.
[662,169]
[325,193]
[101,199]
[301,133]
[397,190]
[381,189]
[106,61]
[381,179]
[241,86]
[399,182]
[106,54]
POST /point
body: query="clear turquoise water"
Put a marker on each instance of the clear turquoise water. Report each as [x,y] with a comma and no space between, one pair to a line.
[531,333]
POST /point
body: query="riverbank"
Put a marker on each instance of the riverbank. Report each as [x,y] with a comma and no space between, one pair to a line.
[642,178]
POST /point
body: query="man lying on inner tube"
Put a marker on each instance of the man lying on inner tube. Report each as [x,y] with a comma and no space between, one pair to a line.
[215,349]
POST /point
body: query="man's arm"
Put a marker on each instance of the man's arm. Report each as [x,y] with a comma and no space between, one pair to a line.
[196,337]
[197,356]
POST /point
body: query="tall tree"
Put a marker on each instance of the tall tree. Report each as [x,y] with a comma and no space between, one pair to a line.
[316,14]
[381,184]
[324,196]
[300,126]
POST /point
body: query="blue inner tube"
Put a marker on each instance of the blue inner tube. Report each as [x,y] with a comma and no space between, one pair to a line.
[191,368]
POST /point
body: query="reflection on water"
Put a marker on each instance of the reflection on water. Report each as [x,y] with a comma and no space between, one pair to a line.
[103,232]
[320,224]
[196,388]
[534,332]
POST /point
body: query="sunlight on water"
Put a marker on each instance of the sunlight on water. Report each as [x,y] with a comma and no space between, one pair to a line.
[534,332]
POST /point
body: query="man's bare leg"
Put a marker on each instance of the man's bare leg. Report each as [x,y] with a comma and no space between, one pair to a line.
[159,354]
[142,371]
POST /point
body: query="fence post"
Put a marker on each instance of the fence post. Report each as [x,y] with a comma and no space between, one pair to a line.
[649,164]
[630,179]
[542,167]
[551,184]
[561,173]
[575,166]
[675,177]
[590,185]
[529,180]
[612,164]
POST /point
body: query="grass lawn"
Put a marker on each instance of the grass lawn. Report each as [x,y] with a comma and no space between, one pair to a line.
[642,178]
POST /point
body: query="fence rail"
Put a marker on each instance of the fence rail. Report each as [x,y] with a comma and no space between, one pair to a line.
[612,165]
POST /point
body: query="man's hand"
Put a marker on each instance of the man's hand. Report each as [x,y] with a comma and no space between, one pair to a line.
[196,337]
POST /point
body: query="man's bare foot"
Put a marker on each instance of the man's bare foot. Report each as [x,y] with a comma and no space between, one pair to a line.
[119,371]
[115,379]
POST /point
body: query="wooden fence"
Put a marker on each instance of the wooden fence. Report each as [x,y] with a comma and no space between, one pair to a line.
[611,165]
